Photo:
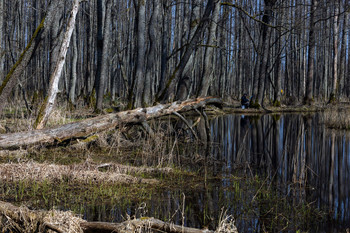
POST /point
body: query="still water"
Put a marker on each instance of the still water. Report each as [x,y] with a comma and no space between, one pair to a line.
[266,167]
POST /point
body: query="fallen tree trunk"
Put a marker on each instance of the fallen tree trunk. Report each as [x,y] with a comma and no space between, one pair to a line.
[138,225]
[21,219]
[88,127]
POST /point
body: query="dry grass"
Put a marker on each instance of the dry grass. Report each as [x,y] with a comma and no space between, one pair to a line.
[337,118]
[226,225]
[80,173]
[21,219]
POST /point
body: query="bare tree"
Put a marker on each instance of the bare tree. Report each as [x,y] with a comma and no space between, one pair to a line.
[311,55]
[49,102]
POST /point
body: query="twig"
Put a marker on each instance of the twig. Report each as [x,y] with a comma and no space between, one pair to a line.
[186,122]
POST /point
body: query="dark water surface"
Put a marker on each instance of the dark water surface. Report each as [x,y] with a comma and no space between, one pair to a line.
[295,157]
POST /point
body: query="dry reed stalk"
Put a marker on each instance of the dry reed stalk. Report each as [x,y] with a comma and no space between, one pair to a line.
[81,173]
[21,219]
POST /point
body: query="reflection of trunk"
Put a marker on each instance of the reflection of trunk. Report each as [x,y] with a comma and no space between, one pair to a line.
[298,152]
[331,173]
[276,138]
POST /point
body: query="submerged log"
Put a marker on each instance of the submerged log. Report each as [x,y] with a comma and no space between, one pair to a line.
[88,127]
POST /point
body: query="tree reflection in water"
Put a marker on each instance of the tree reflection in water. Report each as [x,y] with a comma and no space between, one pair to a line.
[303,159]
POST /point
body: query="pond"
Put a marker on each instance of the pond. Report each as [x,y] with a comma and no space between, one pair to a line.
[271,173]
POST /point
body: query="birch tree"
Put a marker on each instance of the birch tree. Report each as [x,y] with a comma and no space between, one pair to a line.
[18,68]
[49,102]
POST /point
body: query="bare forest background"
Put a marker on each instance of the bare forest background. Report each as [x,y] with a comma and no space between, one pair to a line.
[138,52]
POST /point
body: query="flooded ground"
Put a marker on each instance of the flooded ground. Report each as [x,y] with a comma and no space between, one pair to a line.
[270,173]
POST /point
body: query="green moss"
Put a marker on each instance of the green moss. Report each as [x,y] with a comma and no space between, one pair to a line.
[276,117]
[92,99]
[332,99]
[277,103]
[40,114]
[9,75]
[255,105]
[91,138]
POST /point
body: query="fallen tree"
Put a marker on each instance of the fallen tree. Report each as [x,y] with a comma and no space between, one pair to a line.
[22,219]
[88,127]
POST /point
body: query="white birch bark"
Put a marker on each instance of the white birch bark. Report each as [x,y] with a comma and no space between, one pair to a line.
[49,104]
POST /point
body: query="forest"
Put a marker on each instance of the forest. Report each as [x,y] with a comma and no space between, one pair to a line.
[138,53]
[111,103]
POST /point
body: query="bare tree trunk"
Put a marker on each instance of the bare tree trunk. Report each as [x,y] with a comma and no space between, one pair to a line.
[169,92]
[102,74]
[335,85]
[73,80]
[49,102]
[343,53]
[209,58]
[140,60]
[185,81]
[2,50]
[311,55]
[151,58]
[18,68]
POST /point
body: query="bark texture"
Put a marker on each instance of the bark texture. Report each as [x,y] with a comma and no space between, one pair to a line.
[49,103]
[91,126]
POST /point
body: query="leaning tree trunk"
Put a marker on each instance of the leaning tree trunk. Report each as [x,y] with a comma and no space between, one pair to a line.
[168,93]
[18,68]
[49,102]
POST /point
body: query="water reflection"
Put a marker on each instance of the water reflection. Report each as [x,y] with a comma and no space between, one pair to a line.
[301,157]
[296,155]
